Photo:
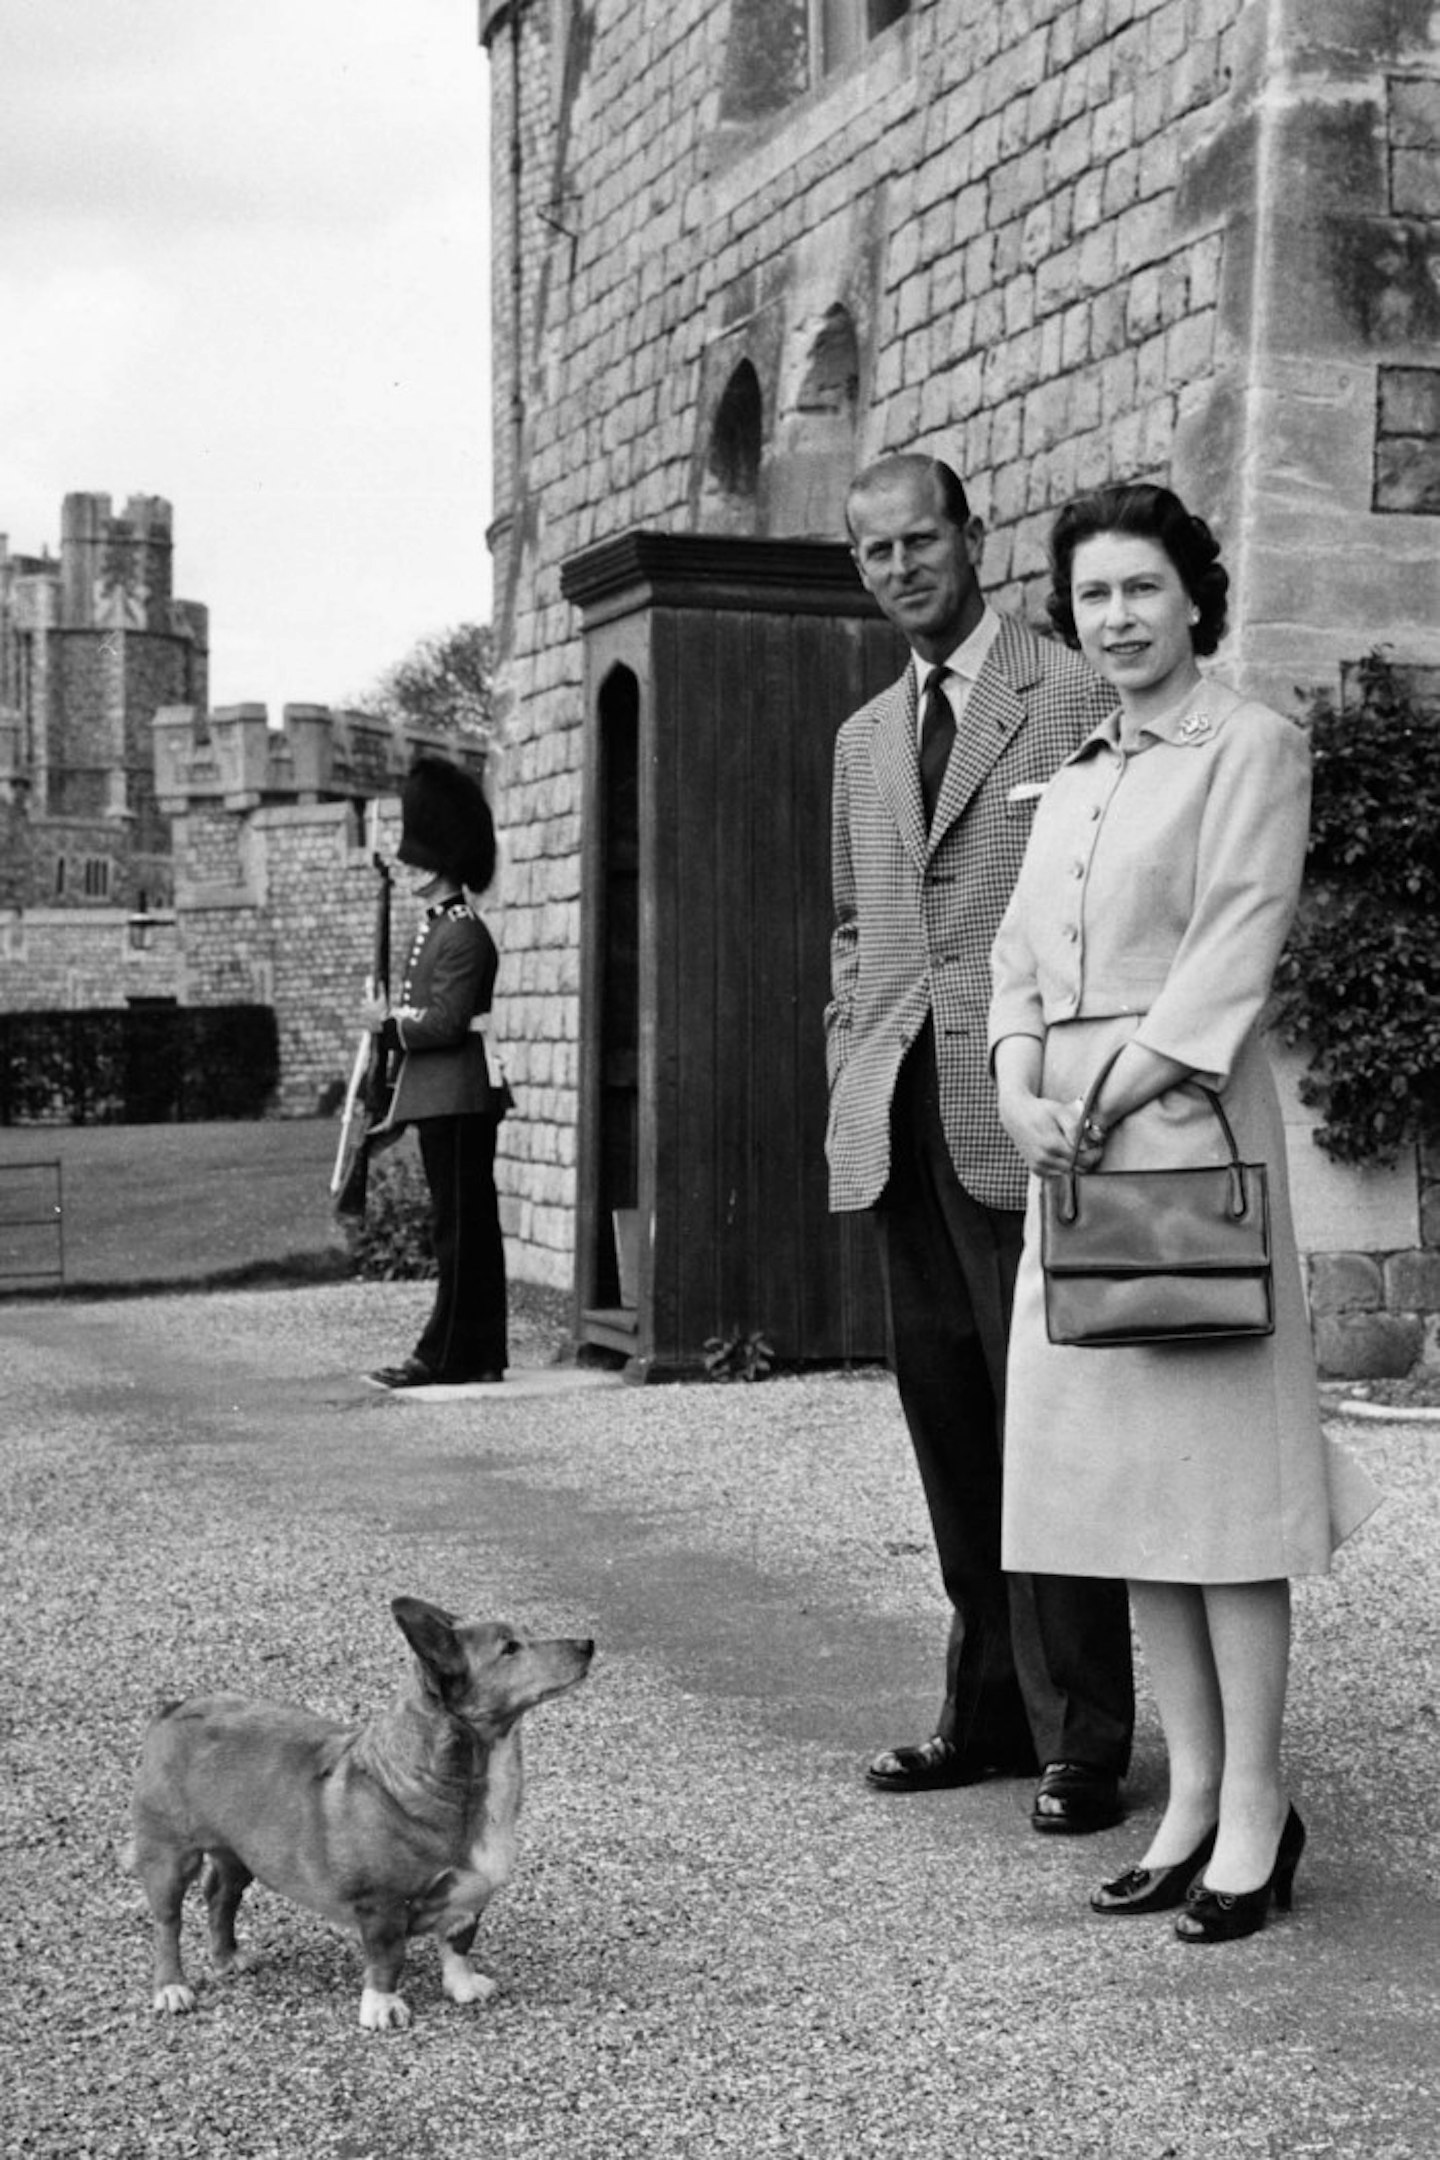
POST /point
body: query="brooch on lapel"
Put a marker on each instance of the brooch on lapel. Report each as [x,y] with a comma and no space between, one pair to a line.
[1195,729]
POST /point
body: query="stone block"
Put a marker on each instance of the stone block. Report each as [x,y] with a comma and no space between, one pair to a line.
[1074,95]
[1206,262]
[1346,1282]
[1062,39]
[1009,256]
[1408,402]
[1097,259]
[1151,367]
[1114,130]
[1159,163]
[1412,1282]
[1090,25]
[1107,330]
[1413,113]
[1093,458]
[1037,234]
[1157,435]
[1169,33]
[1367,1346]
[1190,349]
[1015,186]
[1129,430]
[1057,281]
[1120,184]
[1142,235]
[1079,209]
[1074,338]
[1415,183]
[1353,581]
[1042,111]
[1068,153]
[912,304]
[1085,401]
[1407,475]
[1195,78]
[1430,1216]
[1019,301]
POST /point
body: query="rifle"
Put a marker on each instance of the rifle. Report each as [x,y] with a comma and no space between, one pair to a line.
[367,1099]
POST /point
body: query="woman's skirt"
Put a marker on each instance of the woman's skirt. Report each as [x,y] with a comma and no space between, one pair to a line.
[1176,1462]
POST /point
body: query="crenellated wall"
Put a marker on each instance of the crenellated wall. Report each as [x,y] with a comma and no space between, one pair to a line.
[275,831]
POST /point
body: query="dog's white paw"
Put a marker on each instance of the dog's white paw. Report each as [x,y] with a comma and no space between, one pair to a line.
[383,2013]
[462,1983]
[173,1998]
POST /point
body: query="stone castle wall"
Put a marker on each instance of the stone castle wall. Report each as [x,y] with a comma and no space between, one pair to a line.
[1055,243]
[64,959]
[995,218]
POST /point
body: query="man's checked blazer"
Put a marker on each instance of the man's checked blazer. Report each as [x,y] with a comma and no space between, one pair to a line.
[915,917]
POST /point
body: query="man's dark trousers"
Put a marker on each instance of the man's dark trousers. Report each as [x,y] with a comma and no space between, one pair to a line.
[1033,1660]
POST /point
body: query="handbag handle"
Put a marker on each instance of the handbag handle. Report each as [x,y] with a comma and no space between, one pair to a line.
[1069,1202]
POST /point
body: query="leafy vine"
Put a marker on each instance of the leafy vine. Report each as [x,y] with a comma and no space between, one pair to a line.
[1358,986]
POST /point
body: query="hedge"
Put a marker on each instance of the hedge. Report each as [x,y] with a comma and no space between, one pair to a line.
[138,1065]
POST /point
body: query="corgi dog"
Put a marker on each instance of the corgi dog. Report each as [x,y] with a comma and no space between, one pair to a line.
[405,1825]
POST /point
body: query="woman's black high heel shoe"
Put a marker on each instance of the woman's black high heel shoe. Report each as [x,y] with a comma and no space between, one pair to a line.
[1224,1916]
[1147,1890]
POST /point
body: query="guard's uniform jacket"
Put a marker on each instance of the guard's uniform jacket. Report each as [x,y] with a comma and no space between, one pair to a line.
[446,993]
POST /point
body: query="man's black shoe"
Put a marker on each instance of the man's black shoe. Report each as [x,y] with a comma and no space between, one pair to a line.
[1071,1800]
[938,1763]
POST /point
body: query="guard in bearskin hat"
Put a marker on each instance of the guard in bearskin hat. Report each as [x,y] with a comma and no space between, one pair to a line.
[450,1086]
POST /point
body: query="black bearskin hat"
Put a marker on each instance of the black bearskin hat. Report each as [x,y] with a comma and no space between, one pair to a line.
[446,823]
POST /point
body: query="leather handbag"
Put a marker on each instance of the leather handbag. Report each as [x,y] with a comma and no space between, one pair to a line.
[1155,1256]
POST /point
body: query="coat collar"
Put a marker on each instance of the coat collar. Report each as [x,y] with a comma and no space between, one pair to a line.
[1189,724]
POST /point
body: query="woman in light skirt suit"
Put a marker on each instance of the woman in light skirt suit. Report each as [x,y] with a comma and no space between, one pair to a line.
[1157,890]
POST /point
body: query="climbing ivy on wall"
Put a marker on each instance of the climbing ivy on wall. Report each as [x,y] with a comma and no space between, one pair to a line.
[1359,983]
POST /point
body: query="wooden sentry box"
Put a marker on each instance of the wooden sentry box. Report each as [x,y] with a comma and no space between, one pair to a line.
[717,673]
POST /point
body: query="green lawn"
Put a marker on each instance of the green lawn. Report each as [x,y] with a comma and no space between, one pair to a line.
[171,1203]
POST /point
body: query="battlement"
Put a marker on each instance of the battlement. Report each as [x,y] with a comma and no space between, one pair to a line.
[233,758]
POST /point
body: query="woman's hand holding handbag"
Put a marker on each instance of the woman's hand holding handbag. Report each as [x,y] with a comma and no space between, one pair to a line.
[1153,1256]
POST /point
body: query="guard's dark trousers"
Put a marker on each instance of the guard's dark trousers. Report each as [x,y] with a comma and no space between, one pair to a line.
[466,1334]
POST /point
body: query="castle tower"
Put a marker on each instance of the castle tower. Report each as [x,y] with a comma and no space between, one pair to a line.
[91,646]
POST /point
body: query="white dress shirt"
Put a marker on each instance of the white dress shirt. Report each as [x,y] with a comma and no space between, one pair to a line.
[964,665]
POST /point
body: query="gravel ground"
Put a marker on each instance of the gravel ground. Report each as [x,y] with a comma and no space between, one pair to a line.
[717,1942]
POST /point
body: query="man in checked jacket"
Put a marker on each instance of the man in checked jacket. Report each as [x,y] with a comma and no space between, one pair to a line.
[934,791]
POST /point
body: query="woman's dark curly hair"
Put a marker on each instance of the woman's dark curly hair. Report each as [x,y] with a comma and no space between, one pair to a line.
[1148,513]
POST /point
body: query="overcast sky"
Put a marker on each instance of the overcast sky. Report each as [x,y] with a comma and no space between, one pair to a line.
[243,265]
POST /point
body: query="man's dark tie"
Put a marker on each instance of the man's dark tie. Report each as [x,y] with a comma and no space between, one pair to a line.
[937,733]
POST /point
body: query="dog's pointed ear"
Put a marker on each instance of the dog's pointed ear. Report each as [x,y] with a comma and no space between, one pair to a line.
[430,1632]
